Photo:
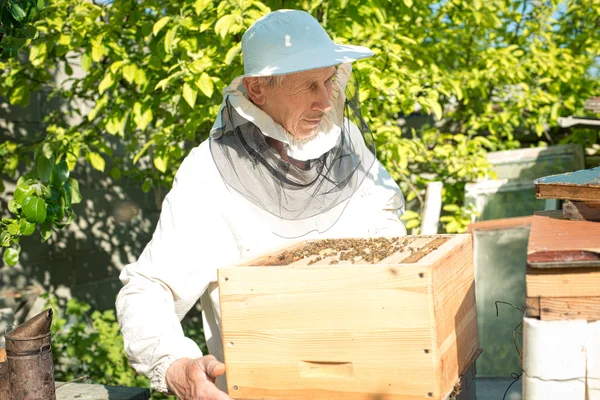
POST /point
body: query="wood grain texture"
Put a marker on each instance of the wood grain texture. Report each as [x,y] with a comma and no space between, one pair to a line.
[373,318]
[532,307]
[581,211]
[581,185]
[455,313]
[349,331]
[563,282]
[559,240]
[569,308]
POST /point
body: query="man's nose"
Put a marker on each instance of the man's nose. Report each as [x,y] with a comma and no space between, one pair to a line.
[322,101]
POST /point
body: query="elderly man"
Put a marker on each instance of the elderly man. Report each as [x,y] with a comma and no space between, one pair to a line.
[286,160]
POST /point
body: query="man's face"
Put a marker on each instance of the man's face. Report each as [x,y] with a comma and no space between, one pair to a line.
[301,101]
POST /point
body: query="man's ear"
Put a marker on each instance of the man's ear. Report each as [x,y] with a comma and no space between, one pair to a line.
[255,90]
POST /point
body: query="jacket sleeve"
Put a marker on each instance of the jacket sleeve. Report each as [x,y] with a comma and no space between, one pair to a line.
[190,241]
[387,221]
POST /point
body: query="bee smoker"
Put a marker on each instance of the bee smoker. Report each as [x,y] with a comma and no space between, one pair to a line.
[29,359]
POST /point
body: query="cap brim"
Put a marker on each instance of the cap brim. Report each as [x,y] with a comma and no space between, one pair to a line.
[314,59]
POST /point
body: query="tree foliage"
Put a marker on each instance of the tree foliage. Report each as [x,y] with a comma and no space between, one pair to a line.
[15,25]
[492,75]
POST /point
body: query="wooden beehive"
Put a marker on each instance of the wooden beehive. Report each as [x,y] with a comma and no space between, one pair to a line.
[386,318]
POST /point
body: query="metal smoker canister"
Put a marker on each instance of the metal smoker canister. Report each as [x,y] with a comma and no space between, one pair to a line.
[29,356]
[3,374]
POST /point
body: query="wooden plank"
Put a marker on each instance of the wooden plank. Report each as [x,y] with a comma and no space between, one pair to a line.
[496,224]
[532,307]
[334,327]
[583,185]
[566,308]
[563,282]
[455,312]
[581,211]
[554,241]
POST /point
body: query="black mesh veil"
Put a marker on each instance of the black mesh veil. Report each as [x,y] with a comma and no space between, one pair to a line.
[292,189]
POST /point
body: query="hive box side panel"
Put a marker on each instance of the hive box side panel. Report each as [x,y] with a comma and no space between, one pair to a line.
[563,282]
[332,332]
[455,311]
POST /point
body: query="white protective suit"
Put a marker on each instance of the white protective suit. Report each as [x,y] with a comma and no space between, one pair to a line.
[205,225]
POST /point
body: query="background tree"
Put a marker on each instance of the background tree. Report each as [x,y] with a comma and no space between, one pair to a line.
[15,25]
[494,75]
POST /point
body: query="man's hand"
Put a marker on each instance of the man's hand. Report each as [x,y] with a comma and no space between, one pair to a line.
[194,379]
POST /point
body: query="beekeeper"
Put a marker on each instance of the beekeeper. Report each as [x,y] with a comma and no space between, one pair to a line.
[288,158]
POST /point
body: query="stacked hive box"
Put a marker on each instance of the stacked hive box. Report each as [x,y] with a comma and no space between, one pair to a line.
[387,318]
[561,357]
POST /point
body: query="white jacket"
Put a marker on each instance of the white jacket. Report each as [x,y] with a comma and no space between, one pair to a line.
[205,225]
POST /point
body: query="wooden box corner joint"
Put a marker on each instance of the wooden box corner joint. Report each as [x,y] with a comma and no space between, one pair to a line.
[352,319]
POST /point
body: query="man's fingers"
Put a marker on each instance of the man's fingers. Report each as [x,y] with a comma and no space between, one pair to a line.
[214,393]
[211,366]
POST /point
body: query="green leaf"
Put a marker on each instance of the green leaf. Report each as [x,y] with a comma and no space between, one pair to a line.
[224,24]
[20,96]
[142,117]
[408,3]
[46,231]
[170,38]
[129,72]
[115,173]
[233,53]
[160,24]
[409,214]
[71,161]
[453,208]
[106,83]
[27,228]
[162,84]
[38,54]
[97,49]
[21,192]
[413,223]
[60,173]
[100,105]
[5,238]
[199,6]
[160,163]
[205,84]
[437,109]
[114,67]
[142,150]
[12,206]
[13,228]
[189,94]
[97,161]
[34,209]
[146,186]
[72,187]
[30,31]
[44,168]
[11,256]
[17,11]
[86,62]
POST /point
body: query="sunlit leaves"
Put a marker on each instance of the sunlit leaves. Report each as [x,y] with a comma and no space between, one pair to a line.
[97,161]
[205,84]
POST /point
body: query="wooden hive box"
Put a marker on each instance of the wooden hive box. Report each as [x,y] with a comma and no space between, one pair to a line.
[386,318]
